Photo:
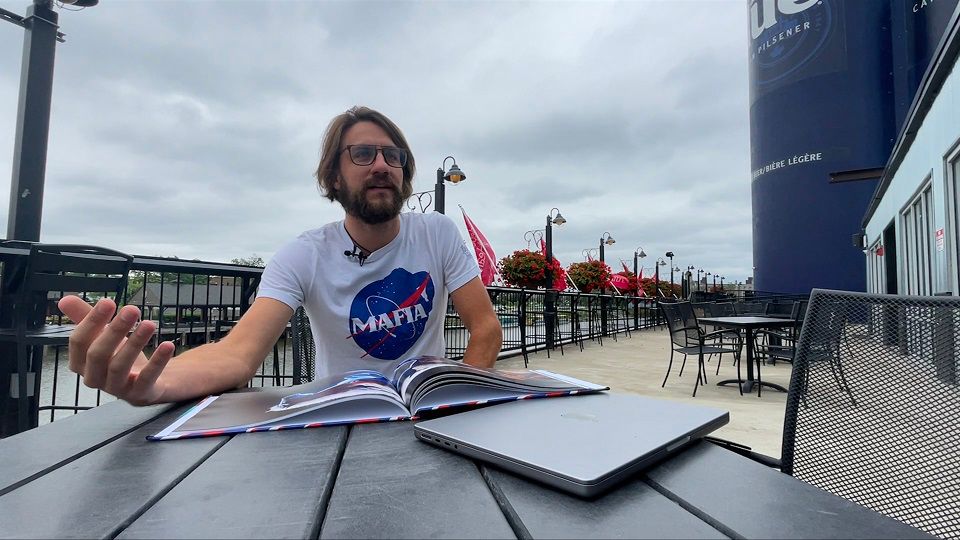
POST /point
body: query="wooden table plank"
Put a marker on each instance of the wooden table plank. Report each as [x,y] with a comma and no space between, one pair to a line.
[632,510]
[392,486]
[746,499]
[258,485]
[36,451]
[97,494]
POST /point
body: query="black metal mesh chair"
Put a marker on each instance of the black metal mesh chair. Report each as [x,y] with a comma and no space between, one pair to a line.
[53,270]
[873,413]
[304,350]
[688,338]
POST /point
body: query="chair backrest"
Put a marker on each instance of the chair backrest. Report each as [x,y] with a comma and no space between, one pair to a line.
[722,309]
[873,413]
[782,309]
[681,322]
[304,350]
[70,269]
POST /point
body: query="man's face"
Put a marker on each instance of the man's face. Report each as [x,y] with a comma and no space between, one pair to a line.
[368,192]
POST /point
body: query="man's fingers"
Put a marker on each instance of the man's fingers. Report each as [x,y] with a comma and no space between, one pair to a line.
[118,369]
[101,352]
[147,378]
[90,321]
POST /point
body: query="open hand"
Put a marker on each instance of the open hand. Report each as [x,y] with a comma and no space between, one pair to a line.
[101,351]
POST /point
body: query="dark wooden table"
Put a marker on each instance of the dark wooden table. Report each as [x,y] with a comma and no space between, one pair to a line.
[748,324]
[94,476]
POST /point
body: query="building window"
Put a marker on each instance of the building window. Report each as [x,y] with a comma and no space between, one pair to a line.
[917,238]
[876,277]
[953,207]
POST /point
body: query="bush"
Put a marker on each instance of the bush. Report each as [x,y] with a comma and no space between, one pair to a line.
[528,269]
[590,276]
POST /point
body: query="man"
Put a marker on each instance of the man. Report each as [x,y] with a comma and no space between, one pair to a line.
[374,285]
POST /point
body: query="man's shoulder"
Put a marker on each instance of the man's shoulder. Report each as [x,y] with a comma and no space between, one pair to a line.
[312,240]
[428,220]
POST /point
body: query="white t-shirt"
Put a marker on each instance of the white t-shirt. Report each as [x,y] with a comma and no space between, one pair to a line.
[390,308]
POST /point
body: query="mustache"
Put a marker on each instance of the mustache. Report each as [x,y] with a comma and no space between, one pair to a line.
[380,183]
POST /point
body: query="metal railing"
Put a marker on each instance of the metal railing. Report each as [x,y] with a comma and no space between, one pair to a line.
[196,302]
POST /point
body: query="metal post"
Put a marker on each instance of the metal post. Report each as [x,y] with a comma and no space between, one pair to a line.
[26,185]
[636,300]
[549,300]
[439,192]
[33,123]
[603,299]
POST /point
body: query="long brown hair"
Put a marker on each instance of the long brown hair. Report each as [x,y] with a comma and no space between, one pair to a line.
[330,151]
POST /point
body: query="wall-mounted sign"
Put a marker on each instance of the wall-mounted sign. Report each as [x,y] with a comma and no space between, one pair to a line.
[939,237]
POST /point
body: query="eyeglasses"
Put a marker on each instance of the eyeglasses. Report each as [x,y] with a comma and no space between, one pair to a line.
[365,154]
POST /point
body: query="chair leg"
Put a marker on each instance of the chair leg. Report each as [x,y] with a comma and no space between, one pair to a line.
[23,401]
[699,371]
[759,379]
[669,365]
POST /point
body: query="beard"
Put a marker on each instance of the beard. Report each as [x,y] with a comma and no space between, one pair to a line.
[374,212]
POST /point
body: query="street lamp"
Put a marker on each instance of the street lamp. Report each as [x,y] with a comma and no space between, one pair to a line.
[605,239]
[656,274]
[699,270]
[454,176]
[669,255]
[535,235]
[33,115]
[637,254]
[549,305]
[721,282]
[706,279]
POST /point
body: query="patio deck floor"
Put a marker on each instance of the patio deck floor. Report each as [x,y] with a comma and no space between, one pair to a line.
[638,363]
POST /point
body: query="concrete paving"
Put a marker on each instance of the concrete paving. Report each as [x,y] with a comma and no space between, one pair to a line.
[637,365]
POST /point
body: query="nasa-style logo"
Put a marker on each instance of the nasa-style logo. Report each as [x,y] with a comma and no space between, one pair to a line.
[786,35]
[388,316]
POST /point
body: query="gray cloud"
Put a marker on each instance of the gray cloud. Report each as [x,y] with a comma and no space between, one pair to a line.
[192,128]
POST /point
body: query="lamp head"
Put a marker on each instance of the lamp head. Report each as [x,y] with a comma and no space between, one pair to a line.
[559,220]
[454,175]
[669,254]
[640,253]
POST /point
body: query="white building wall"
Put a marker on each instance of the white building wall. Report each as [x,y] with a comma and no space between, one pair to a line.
[937,138]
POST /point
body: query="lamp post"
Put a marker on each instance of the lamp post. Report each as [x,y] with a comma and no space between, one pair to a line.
[656,276]
[549,298]
[33,115]
[605,239]
[31,137]
[454,176]
[721,282]
[714,281]
[699,270]
[637,254]
[706,281]
[669,255]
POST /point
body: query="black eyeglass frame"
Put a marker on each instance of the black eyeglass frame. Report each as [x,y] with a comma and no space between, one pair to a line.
[401,153]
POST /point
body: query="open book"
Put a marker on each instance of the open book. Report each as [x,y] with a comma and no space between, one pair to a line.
[404,391]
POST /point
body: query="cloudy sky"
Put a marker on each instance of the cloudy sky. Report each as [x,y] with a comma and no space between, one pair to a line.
[191,128]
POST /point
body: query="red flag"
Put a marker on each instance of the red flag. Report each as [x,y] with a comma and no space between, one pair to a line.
[543,247]
[589,258]
[625,269]
[486,258]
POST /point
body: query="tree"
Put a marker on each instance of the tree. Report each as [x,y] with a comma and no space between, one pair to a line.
[253,260]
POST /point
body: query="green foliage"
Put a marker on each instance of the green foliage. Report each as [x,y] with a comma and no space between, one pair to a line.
[590,276]
[253,260]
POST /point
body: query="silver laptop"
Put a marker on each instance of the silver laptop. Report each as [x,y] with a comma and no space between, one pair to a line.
[581,444]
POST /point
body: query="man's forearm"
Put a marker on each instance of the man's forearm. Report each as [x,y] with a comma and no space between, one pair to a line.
[205,370]
[484,345]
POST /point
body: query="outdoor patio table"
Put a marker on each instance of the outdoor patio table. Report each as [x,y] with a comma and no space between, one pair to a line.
[749,324]
[94,475]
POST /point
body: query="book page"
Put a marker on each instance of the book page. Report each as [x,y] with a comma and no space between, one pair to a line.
[419,376]
[281,406]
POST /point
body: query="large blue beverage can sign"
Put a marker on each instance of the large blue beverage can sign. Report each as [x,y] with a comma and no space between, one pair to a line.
[820,102]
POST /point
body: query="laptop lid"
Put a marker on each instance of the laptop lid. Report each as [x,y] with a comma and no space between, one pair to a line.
[581,444]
